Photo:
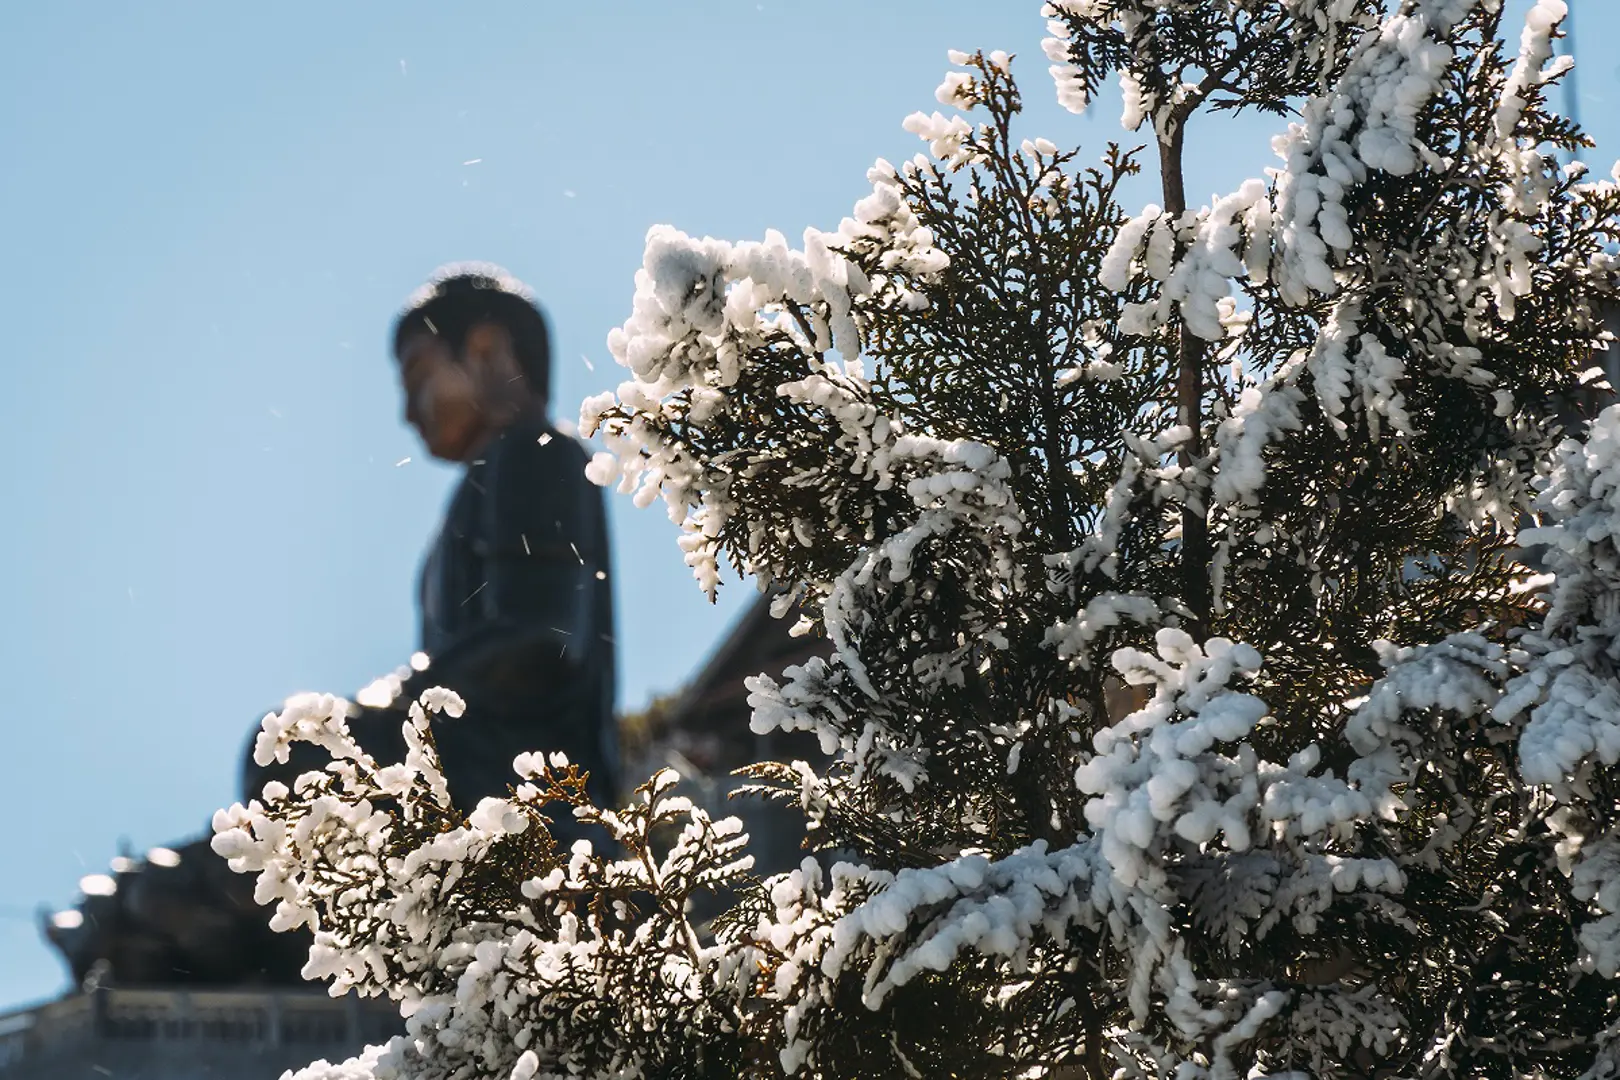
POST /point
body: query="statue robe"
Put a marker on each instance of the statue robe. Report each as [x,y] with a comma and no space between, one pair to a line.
[517,618]
[517,615]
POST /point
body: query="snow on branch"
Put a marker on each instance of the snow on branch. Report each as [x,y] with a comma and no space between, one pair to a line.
[1351,811]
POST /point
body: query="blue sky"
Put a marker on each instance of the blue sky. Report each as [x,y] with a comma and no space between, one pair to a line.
[208,216]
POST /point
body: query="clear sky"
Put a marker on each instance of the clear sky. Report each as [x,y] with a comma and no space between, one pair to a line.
[208,216]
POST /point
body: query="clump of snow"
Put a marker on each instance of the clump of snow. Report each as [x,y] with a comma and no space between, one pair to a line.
[701,308]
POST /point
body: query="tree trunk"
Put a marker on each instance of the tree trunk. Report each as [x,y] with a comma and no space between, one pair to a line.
[1189,399]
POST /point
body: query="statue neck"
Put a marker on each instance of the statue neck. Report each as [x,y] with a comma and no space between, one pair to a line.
[502,415]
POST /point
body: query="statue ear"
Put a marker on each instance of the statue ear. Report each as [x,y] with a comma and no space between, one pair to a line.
[488,348]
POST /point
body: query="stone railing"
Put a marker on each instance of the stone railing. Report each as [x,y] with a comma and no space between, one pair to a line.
[181,1031]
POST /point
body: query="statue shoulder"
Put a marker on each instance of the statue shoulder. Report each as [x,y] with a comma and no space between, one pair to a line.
[535,443]
[533,471]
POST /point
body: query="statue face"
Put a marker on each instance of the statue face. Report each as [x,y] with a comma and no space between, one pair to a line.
[457,402]
[441,397]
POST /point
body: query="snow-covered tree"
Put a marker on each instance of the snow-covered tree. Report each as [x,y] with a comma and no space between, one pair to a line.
[1194,708]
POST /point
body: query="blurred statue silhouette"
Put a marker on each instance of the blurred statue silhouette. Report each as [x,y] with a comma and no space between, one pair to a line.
[516,605]
[516,617]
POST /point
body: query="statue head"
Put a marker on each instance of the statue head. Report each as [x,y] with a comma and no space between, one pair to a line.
[473,352]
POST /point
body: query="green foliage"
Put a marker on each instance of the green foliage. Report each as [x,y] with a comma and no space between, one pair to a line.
[1034,465]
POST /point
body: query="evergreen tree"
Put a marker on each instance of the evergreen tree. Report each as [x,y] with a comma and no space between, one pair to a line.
[1194,708]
